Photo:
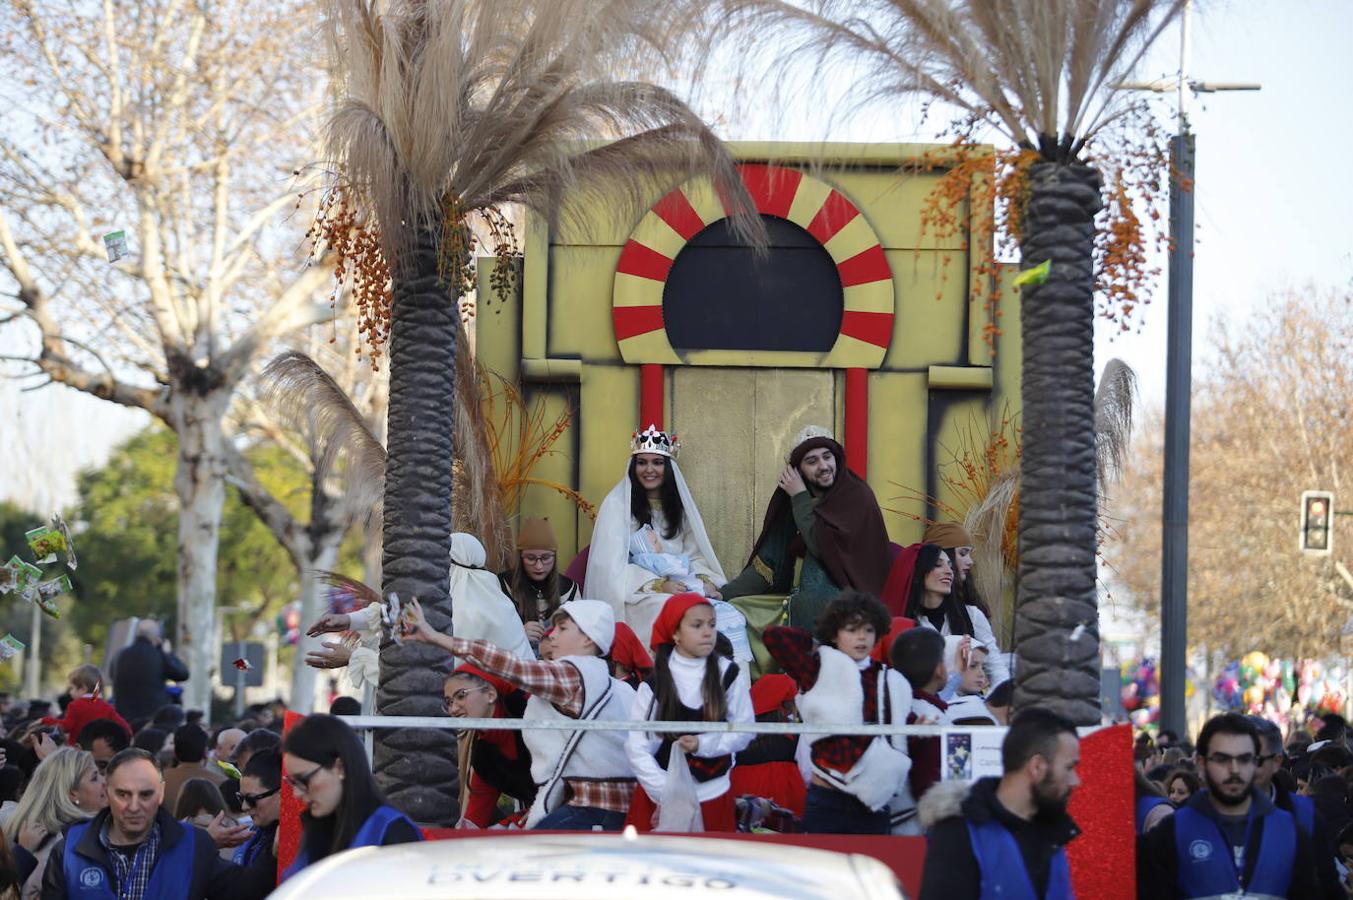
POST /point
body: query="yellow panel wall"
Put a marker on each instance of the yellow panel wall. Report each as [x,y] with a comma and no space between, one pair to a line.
[566,314]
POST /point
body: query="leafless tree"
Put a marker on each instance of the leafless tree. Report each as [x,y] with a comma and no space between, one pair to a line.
[328,419]
[1271,418]
[181,124]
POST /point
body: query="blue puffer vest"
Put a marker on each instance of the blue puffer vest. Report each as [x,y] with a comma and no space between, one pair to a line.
[1207,867]
[371,834]
[1003,872]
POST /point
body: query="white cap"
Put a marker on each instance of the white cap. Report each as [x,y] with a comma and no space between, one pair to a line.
[594,619]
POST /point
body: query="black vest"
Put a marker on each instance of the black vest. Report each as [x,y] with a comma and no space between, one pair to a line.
[770,748]
[508,776]
[703,768]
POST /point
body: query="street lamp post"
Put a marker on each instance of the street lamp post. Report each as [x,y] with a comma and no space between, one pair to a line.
[1178,386]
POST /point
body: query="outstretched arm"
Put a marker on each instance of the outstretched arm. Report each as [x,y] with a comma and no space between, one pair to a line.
[558,682]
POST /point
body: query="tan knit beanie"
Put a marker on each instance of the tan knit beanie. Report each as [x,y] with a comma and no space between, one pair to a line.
[948,535]
[537,534]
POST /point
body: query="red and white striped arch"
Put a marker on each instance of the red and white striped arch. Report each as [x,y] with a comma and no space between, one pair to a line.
[818,208]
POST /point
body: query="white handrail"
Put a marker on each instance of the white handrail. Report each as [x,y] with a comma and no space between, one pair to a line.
[454,724]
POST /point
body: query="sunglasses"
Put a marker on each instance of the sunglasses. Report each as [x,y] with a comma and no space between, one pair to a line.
[302,782]
[256,799]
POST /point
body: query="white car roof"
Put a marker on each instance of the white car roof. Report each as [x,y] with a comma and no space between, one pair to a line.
[592,865]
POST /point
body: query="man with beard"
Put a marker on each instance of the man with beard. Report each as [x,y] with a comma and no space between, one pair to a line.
[1228,839]
[824,514]
[1007,836]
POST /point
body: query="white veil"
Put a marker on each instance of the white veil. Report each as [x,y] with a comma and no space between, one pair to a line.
[608,567]
[479,608]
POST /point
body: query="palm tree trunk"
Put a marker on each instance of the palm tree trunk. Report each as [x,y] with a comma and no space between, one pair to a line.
[1058,662]
[417,768]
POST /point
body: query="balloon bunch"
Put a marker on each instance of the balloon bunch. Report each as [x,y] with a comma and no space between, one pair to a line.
[1281,690]
[1141,692]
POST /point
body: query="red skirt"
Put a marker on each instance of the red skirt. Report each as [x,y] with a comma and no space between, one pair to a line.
[718,814]
[779,782]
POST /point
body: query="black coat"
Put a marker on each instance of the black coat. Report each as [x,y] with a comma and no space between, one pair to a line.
[139,674]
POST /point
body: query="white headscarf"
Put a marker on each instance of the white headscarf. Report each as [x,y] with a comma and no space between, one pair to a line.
[608,556]
[479,608]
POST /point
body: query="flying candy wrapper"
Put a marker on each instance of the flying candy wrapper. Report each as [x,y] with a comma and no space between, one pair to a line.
[45,543]
[116,244]
[59,524]
[397,617]
[1035,276]
[242,664]
[9,646]
[18,575]
[229,769]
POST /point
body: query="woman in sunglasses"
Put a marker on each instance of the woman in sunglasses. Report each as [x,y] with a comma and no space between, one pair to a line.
[343,808]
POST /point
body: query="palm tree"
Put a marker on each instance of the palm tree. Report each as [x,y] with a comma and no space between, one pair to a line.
[448,108]
[1040,73]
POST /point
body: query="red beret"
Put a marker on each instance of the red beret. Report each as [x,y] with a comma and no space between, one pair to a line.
[885,644]
[500,685]
[771,692]
[670,618]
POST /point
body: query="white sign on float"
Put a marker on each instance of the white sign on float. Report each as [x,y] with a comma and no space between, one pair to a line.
[971,753]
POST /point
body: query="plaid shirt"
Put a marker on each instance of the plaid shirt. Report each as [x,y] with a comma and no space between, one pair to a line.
[560,684]
[794,650]
[131,874]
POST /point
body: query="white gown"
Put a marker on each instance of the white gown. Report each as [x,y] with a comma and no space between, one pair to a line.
[612,578]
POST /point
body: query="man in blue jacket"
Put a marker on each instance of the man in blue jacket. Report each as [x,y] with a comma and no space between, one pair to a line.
[1228,839]
[1007,837]
[133,850]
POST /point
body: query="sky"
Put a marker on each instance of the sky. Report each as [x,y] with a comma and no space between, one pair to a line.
[1274,207]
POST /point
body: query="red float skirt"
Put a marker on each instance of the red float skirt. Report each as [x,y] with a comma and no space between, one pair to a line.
[779,782]
[718,814]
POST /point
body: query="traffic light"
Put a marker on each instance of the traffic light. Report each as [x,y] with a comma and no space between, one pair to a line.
[1317,518]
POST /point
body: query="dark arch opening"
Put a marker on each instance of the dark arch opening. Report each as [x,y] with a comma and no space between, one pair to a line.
[720,295]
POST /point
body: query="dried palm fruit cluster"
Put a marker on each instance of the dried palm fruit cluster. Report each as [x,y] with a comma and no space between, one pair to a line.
[358,264]
[981,193]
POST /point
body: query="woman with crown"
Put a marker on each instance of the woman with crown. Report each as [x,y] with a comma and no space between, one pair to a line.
[652,505]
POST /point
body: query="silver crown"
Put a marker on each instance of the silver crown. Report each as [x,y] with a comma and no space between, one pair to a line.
[807,434]
[651,440]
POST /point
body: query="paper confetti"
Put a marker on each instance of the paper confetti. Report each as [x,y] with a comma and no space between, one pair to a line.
[18,575]
[1035,276]
[45,543]
[242,664]
[50,590]
[116,244]
[9,646]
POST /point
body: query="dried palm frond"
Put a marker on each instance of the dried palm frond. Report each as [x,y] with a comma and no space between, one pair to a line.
[477,506]
[1040,71]
[520,435]
[362,594]
[1114,401]
[490,102]
[992,524]
[307,397]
